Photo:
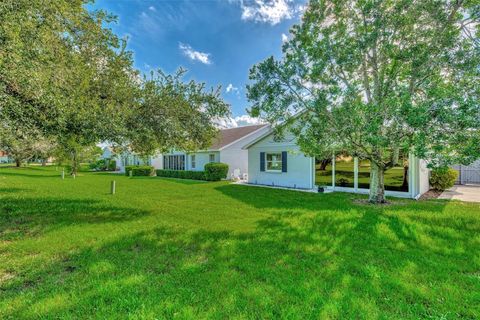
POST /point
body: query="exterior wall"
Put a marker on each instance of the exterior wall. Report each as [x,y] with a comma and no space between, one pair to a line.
[423,178]
[201,159]
[107,153]
[128,159]
[236,157]
[300,169]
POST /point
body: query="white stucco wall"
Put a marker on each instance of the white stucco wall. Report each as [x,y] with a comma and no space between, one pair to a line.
[201,159]
[300,169]
[235,156]
[423,177]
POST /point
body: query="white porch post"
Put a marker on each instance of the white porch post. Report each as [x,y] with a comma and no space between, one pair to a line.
[355,174]
[333,171]
[412,174]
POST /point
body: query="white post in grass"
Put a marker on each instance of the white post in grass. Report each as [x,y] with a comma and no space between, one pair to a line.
[63,174]
[112,187]
[130,173]
[74,175]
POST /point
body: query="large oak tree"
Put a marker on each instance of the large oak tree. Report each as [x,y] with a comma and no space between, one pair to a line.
[377,78]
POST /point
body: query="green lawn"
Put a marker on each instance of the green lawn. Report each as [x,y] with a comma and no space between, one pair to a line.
[163,248]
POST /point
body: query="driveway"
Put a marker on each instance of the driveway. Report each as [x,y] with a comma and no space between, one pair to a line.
[464,193]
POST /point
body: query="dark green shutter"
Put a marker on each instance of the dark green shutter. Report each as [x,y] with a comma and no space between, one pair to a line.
[262,161]
[284,161]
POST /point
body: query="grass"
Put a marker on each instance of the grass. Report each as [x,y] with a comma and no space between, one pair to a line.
[165,248]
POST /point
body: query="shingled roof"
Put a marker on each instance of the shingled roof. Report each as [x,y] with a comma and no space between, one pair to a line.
[227,136]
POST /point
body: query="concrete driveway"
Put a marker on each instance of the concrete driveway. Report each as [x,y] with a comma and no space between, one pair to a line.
[464,193]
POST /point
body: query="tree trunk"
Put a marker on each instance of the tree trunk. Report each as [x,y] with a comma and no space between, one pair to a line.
[18,163]
[405,177]
[44,162]
[377,186]
[324,163]
[74,164]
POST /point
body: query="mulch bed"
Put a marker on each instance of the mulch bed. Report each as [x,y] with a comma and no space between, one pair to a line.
[431,194]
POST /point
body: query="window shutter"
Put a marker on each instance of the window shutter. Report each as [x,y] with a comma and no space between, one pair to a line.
[284,161]
[262,161]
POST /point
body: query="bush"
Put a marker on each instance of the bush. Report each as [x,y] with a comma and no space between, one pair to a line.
[103,165]
[140,171]
[343,182]
[181,174]
[216,171]
[443,179]
[112,165]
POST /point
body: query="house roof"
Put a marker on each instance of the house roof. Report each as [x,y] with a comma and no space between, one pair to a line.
[228,136]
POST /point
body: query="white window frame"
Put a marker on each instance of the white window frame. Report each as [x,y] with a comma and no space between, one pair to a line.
[192,160]
[272,161]
[210,156]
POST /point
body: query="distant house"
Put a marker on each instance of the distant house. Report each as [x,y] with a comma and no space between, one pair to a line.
[226,148]
[280,163]
[4,157]
[125,158]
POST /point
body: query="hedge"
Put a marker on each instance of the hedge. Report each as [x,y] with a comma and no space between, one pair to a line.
[216,171]
[138,171]
[443,179]
[182,174]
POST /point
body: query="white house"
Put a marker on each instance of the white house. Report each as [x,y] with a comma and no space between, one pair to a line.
[280,163]
[226,148]
[124,159]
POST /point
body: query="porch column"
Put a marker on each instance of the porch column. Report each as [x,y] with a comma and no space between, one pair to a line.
[412,175]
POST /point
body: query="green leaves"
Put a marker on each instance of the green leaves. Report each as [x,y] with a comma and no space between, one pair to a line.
[173,114]
[376,76]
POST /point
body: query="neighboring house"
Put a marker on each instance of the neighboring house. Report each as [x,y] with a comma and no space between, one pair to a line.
[4,157]
[468,174]
[226,148]
[280,163]
[125,158]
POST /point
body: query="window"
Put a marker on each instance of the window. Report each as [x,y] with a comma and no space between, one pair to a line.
[192,158]
[174,162]
[274,162]
[212,157]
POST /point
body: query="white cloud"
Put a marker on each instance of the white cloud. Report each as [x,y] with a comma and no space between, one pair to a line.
[268,11]
[284,37]
[152,8]
[193,55]
[239,121]
[231,88]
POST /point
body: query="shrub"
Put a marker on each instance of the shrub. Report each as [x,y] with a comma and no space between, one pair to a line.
[443,179]
[112,165]
[103,165]
[216,171]
[343,182]
[181,174]
[140,171]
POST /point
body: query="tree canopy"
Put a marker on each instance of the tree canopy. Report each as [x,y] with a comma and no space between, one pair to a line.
[65,74]
[378,77]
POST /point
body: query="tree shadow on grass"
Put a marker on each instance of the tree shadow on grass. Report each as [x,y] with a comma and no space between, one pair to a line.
[41,174]
[13,190]
[30,216]
[351,262]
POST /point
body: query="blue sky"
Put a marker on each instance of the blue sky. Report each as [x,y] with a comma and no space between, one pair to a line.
[217,41]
